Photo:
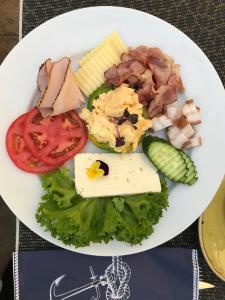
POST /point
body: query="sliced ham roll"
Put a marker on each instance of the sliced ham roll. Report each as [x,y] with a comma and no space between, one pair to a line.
[161,122]
[61,93]
[191,112]
[43,74]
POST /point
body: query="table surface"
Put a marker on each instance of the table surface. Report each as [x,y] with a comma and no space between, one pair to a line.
[203,21]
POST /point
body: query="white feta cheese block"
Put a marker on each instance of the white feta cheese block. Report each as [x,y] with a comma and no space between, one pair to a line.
[130,173]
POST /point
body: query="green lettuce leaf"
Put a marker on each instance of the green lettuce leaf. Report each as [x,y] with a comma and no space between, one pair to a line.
[78,221]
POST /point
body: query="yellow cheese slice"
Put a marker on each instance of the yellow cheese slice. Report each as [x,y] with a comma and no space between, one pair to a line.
[90,75]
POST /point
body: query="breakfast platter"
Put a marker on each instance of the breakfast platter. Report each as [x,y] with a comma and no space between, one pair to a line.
[110,140]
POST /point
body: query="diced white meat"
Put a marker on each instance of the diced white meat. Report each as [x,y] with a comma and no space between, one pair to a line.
[173,112]
[180,140]
[185,127]
[161,122]
[181,122]
[172,132]
[189,107]
[195,141]
[193,118]
[180,133]
[188,131]
[191,112]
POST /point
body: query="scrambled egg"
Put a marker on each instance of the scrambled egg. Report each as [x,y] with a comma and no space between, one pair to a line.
[102,121]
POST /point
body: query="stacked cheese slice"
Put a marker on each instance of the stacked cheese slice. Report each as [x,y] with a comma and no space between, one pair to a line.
[90,75]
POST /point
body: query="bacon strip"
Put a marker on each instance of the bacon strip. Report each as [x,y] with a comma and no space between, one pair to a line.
[123,72]
[165,95]
[175,80]
[146,91]
[148,70]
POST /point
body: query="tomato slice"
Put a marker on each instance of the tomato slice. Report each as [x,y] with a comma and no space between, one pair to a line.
[56,139]
[20,153]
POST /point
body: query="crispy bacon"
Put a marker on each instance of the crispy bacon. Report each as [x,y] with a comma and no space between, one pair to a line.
[112,76]
[125,73]
[175,80]
[146,90]
[165,95]
[125,57]
[162,70]
[148,70]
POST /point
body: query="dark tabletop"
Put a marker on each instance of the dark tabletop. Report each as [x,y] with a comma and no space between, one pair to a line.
[204,22]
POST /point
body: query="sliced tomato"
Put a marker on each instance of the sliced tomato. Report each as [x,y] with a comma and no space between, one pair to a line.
[20,153]
[56,139]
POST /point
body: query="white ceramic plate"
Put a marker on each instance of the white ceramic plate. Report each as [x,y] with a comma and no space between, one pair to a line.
[74,33]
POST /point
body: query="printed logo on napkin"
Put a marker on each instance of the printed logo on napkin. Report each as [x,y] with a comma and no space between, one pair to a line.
[158,274]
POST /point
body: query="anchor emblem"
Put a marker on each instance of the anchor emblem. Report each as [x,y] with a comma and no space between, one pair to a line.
[116,278]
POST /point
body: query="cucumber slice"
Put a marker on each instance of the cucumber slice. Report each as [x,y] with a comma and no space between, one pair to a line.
[191,176]
[172,162]
[100,90]
[165,157]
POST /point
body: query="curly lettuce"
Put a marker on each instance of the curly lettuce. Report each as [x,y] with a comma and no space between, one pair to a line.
[79,221]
